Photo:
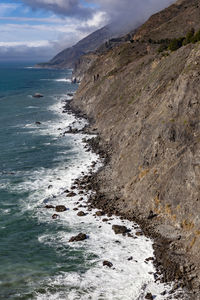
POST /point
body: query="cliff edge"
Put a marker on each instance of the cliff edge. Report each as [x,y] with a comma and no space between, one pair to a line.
[144,101]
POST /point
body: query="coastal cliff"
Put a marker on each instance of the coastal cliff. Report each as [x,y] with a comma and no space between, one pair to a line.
[144,102]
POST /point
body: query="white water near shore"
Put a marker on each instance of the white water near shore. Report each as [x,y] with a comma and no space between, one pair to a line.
[127,279]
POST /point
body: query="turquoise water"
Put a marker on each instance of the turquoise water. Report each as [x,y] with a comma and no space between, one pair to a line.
[31,156]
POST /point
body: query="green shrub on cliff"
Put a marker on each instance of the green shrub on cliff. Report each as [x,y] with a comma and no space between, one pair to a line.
[189,37]
[196,37]
[162,48]
[175,44]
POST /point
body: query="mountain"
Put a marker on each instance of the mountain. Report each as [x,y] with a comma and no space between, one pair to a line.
[143,98]
[68,57]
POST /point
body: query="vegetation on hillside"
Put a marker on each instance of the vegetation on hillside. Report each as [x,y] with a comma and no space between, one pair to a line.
[176,43]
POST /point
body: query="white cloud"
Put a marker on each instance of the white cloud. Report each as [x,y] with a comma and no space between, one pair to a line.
[48,35]
[25,44]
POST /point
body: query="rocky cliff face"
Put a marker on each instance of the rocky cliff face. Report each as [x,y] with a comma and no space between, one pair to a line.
[145,106]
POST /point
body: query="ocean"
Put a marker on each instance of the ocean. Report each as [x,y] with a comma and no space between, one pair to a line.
[37,164]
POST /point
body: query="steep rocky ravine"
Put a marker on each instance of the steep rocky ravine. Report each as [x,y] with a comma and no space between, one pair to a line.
[145,106]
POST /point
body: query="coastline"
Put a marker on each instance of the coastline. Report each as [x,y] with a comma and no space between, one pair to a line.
[167,268]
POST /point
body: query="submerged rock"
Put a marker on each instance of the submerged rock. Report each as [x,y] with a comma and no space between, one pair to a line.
[37,95]
[79,237]
[60,208]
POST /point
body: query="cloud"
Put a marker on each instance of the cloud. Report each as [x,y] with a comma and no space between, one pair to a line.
[42,35]
[63,7]
[130,12]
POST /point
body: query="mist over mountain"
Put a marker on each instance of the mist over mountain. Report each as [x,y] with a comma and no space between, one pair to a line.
[123,17]
[68,57]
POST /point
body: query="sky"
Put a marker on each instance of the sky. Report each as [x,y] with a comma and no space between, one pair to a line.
[38,29]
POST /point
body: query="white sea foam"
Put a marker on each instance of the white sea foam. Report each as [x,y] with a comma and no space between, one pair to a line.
[29,107]
[63,80]
[127,279]
[58,80]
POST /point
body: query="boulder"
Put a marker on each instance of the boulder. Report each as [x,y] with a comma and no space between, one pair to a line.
[107,263]
[55,216]
[79,237]
[81,214]
[139,233]
[100,213]
[71,194]
[60,208]
[118,229]
[49,206]
[149,259]
[130,258]
[149,296]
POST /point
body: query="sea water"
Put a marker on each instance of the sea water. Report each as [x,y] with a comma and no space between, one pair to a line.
[37,164]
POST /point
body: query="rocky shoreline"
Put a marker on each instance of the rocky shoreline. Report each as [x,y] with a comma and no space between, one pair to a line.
[170,266]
